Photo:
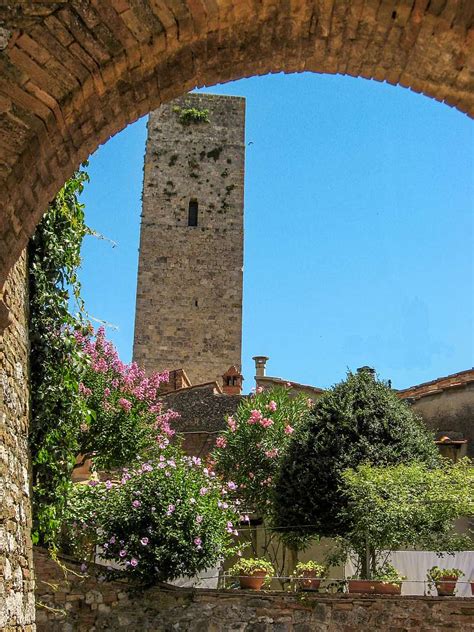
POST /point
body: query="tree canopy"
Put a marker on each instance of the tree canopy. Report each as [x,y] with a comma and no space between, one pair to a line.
[360,420]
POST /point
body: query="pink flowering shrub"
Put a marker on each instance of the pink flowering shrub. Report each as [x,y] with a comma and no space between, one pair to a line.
[167,517]
[125,413]
[250,449]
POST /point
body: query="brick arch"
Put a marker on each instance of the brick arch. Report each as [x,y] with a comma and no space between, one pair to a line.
[73,74]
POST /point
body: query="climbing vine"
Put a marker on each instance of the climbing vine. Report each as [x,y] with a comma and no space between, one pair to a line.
[54,255]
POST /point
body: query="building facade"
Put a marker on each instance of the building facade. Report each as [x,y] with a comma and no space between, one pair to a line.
[189,293]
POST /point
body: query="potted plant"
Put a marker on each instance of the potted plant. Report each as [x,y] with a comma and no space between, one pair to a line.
[357,585]
[388,581]
[252,573]
[308,575]
[444,579]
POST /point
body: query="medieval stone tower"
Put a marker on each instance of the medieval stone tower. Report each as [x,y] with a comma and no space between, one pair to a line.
[189,294]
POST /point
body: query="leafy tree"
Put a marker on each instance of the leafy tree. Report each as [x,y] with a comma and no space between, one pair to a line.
[407,505]
[167,517]
[250,451]
[360,420]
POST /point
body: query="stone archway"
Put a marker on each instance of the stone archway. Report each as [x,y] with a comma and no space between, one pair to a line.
[75,72]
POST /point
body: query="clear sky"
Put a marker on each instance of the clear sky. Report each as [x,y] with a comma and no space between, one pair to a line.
[359,226]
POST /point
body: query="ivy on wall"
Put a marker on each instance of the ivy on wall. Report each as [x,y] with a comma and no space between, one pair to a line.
[55,360]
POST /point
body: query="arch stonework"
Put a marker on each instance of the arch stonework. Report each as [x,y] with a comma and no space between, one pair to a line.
[74,73]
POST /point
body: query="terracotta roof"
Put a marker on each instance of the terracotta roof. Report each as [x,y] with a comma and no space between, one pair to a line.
[455,380]
[278,381]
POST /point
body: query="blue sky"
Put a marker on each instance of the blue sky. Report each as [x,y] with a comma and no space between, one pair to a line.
[359,225]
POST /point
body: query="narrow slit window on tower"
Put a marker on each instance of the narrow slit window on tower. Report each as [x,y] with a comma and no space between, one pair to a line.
[193,213]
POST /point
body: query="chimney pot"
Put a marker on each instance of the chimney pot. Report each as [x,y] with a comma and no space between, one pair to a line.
[260,364]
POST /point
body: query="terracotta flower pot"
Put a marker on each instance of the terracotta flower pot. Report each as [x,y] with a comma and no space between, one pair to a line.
[365,586]
[254,581]
[446,586]
[388,588]
[308,581]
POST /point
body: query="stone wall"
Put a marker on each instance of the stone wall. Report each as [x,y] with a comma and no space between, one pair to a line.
[189,291]
[16,564]
[84,604]
[450,412]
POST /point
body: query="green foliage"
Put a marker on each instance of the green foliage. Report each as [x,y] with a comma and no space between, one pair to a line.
[320,570]
[56,364]
[126,419]
[436,574]
[187,116]
[249,451]
[388,574]
[403,506]
[248,566]
[360,420]
[167,518]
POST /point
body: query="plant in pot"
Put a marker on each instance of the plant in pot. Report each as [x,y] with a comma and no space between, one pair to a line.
[252,573]
[308,575]
[444,579]
[388,581]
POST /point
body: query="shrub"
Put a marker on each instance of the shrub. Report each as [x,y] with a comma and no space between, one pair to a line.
[404,506]
[126,417]
[166,518]
[359,420]
[250,450]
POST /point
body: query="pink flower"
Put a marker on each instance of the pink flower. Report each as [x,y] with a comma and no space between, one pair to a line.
[231,485]
[108,484]
[83,390]
[136,504]
[106,392]
[199,519]
[271,454]
[144,541]
[125,404]
[272,406]
[198,543]
[171,508]
[203,491]
[251,475]
[232,424]
[255,416]
[289,430]
[112,540]
[122,553]
[259,389]
[266,423]
[93,483]
[133,562]
[221,442]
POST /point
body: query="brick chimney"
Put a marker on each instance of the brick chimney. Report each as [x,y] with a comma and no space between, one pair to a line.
[260,363]
[232,381]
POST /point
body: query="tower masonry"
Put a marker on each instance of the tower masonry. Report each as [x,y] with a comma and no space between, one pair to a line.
[189,294]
